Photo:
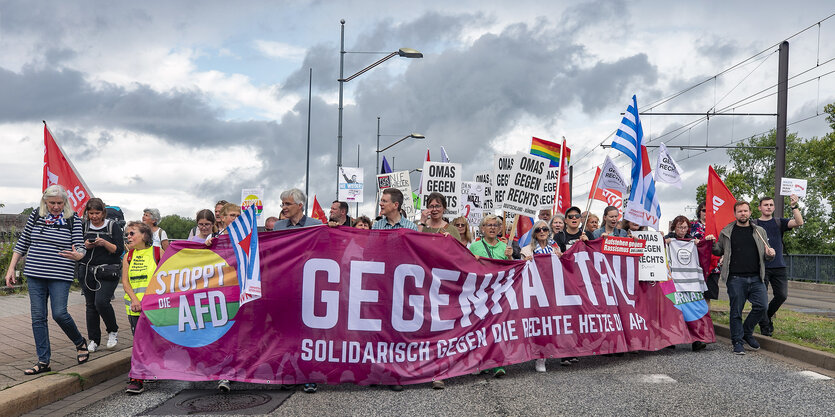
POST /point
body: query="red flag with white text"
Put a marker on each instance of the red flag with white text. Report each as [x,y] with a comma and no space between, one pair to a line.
[57,169]
[608,196]
[719,203]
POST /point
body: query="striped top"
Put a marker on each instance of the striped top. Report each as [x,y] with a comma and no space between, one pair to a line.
[40,243]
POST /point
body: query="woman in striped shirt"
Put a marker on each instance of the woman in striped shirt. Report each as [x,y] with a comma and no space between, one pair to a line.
[52,242]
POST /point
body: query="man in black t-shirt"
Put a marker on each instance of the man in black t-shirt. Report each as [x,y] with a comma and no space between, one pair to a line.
[775,269]
[746,251]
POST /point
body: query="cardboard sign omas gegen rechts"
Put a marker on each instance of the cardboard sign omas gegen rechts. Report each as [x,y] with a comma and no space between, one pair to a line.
[443,178]
[524,190]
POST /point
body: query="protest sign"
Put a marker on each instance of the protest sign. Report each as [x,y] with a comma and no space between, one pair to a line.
[487,179]
[401,181]
[350,184]
[666,168]
[525,185]
[652,264]
[472,194]
[393,307]
[502,165]
[443,178]
[789,186]
[253,196]
[623,246]
[549,189]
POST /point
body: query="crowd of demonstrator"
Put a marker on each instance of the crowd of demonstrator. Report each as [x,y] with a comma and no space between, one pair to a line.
[59,247]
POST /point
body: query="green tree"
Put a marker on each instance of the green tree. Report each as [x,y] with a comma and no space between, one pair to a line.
[750,176]
[177,227]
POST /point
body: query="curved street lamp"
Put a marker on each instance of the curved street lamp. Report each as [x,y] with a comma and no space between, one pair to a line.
[402,52]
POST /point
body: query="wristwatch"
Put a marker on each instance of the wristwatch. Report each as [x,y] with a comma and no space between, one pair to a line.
[794,207]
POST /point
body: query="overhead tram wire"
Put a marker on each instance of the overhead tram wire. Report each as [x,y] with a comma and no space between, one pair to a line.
[707,80]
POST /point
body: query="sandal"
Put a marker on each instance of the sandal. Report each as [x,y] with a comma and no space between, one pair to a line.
[85,356]
[39,367]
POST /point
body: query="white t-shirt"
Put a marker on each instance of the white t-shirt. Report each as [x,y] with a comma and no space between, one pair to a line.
[159,236]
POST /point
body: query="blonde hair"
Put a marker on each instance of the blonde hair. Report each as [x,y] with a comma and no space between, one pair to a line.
[229,207]
[467,236]
[487,218]
[55,191]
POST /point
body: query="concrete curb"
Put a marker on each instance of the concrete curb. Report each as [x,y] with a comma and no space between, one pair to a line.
[811,286]
[28,396]
[811,356]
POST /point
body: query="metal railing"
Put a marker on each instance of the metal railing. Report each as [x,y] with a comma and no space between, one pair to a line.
[814,268]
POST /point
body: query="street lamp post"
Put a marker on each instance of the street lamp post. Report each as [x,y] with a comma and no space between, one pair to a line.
[402,52]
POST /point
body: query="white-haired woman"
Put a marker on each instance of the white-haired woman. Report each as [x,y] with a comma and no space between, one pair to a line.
[541,243]
[52,241]
[151,217]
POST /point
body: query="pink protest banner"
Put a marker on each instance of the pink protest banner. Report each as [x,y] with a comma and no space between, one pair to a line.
[394,307]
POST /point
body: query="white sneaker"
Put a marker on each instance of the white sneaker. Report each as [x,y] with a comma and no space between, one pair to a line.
[92,346]
[112,339]
[540,365]
[223,385]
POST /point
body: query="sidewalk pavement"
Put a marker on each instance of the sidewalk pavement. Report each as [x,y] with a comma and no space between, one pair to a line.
[20,393]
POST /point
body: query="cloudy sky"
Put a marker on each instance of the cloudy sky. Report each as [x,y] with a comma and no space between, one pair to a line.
[178,104]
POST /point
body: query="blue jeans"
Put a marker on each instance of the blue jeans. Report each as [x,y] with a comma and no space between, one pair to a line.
[741,289]
[40,290]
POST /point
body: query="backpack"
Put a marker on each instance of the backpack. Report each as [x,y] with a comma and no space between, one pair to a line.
[157,254]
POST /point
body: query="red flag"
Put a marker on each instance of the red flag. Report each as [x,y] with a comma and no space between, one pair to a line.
[608,196]
[57,169]
[719,203]
[317,213]
[564,187]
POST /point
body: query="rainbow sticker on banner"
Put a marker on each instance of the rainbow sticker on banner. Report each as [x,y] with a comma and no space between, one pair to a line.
[250,200]
[193,299]
[691,304]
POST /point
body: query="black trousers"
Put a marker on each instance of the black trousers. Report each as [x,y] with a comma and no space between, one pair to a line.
[779,281]
[97,295]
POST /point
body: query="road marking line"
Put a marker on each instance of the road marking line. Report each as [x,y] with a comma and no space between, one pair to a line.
[656,379]
[814,375]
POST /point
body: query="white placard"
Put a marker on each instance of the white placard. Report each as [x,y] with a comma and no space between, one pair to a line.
[401,181]
[524,189]
[652,265]
[472,194]
[502,165]
[350,184]
[250,196]
[443,178]
[487,179]
[549,188]
[789,186]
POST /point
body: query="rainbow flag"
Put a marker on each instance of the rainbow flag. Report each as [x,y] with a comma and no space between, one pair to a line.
[549,150]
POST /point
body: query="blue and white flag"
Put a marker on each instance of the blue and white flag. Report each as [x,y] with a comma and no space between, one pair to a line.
[643,206]
[244,236]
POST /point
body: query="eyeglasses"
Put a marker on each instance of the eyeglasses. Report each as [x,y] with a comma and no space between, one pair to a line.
[572,216]
[491,225]
[435,207]
[204,225]
[541,229]
[287,204]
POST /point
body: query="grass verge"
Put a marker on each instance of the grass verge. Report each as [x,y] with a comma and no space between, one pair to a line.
[808,330]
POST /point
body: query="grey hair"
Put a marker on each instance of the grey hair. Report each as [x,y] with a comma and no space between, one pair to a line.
[487,218]
[55,191]
[154,215]
[533,237]
[296,194]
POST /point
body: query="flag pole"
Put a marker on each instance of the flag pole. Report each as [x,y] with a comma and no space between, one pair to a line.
[559,179]
[591,197]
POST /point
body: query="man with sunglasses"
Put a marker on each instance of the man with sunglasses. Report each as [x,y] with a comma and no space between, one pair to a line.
[572,232]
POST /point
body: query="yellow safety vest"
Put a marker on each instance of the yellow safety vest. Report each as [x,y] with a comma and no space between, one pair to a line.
[141,269]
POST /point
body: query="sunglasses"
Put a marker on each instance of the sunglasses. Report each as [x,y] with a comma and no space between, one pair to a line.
[540,229]
[128,234]
[461,225]
[572,216]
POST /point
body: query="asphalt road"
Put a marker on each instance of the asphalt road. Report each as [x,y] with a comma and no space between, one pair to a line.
[668,382]
[800,300]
